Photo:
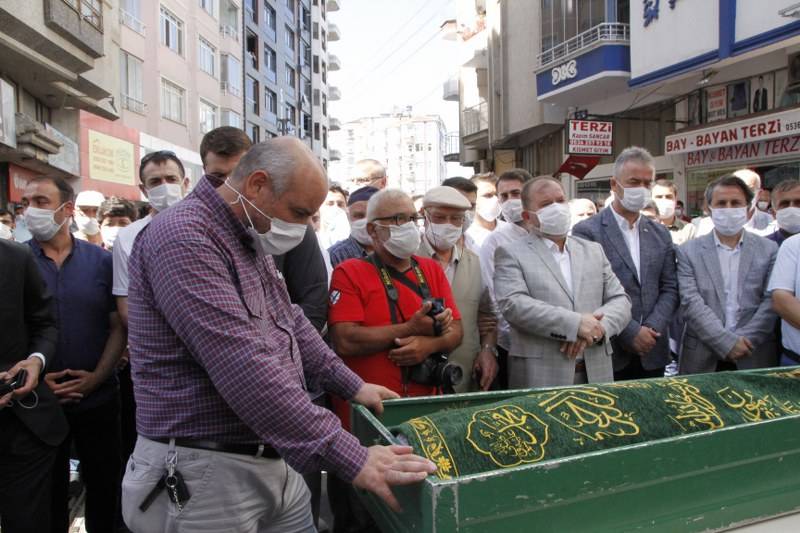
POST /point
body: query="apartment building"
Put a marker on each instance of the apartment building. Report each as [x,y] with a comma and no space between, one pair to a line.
[411,147]
[286,64]
[58,63]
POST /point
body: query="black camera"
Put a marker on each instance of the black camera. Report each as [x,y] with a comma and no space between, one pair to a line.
[436,370]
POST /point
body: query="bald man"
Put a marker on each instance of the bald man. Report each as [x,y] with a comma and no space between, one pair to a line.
[370,173]
[221,362]
[581,209]
[560,296]
[760,220]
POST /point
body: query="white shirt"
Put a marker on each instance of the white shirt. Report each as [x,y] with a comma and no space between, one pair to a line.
[631,235]
[562,260]
[759,221]
[786,276]
[477,234]
[122,252]
[729,264]
[503,234]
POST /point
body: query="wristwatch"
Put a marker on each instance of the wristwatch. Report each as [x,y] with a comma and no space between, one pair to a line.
[489,348]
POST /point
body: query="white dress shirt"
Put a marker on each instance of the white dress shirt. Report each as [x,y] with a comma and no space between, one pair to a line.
[476,234]
[729,264]
[631,235]
[562,260]
[786,276]
[122,252]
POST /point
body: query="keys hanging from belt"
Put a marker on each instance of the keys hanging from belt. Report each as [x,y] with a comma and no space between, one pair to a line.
[172,480]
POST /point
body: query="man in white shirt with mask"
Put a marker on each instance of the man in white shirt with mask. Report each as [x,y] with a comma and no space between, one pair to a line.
[487,209]
[164,183]
[444,209]
[87,204]
[786,202]
[509,192]
[723,279]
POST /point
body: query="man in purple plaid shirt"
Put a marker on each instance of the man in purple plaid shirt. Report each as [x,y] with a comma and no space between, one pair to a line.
[221,361]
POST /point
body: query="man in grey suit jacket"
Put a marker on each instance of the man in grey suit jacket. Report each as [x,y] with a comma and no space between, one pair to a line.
[643,258]
[560,296]
[723,279]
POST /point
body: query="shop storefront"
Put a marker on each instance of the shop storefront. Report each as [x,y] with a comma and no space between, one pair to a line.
[768,143]
[109,157]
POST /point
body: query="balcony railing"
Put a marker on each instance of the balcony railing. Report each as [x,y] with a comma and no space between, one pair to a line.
[132,104]
[228,88]
[452,146]
[229,31]
[130,21]
[608,32]
[475,118]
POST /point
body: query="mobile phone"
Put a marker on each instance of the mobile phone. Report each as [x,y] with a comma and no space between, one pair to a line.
[16,382]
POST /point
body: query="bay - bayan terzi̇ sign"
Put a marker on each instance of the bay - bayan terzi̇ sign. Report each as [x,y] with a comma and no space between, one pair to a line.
[549,424]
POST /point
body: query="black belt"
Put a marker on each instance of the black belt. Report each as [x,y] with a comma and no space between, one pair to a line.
[253,450]
[791,355]
[580,366]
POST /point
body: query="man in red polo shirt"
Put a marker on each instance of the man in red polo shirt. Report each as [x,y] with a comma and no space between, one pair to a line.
[381,328]
[378,337]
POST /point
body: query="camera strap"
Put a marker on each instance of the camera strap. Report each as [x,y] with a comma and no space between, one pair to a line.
[387,274]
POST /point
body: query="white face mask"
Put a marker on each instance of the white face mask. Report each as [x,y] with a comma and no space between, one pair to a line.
[554,219]
[512,210]
[87,225]
[109,234]
[679,212]
[358,230]
[635,198]
[729,221]
[469,218]
[443,236]
[488,208]
[281,237]
[789,219]
[763,205]
[165,195]
[42,223]
[5,232]
[666,207]
[403,241]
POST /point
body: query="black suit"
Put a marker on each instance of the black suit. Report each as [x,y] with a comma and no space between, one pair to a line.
[29,436]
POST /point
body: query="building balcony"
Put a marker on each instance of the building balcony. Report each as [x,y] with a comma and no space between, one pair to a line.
[127,19]
[333,5]
[132,104]
[228,88]
[452,147]
[475,119]
[229,32]
[608,32]
[334,63]
[334,155]
[333,32]
[450,90]
[334,124]
[334,93]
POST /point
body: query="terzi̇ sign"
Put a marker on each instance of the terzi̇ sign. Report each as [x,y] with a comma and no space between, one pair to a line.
[744,131]
[564,72]
[590,137]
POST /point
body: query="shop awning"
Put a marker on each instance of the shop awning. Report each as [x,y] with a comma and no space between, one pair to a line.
[579,165]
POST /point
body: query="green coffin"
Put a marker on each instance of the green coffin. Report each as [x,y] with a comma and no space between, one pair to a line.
[727,454]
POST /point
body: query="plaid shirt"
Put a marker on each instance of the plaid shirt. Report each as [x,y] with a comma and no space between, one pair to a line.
[344,250]
[216,345]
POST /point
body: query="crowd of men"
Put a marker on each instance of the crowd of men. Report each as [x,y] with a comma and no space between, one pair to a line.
[199,355]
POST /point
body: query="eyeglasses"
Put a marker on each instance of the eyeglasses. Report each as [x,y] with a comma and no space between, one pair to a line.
[455,220]
[399,220]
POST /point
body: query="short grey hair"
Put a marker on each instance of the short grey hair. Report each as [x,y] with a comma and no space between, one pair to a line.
[384,195]
[633,153]
[278,162]
[373,169]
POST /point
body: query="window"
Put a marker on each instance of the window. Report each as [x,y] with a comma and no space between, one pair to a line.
[251,96]
[306,125]
[305,54]
[270,60]
[270,101]
[231,71]
[289,5]
[324,40]
[290,113]
[208,116]
[563,19]
[316,131]
[289,39]
[131,82]
[172,101]
[306,88]
[315,31]
[306,14]
[291,77]
[324,73]
[171,31]
[207,58]
[269,17]
[316,64]
[324,137]
[90,10]
[253,131]
[231,118]
[251,47]
[130,15]
[251,10]
[324,105]
[209,7]
[316,97]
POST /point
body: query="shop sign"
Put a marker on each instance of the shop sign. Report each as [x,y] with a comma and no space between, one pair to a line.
[744,131]
[590,137]
[759,151]
[567,71]
[111,159]
[717,104]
